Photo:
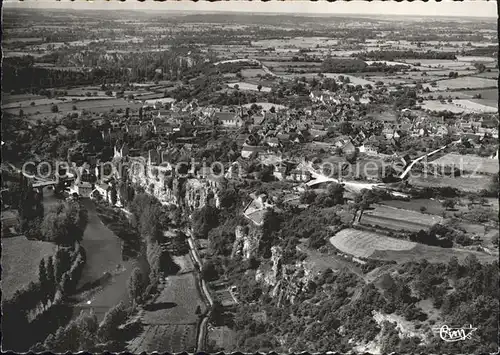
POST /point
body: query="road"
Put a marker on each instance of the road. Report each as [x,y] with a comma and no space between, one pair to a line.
[408,168]
[356,186]
[251,61]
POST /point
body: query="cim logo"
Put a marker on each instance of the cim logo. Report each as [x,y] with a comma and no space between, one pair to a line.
[451,335]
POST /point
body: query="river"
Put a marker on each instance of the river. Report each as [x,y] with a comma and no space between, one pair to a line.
[103,283]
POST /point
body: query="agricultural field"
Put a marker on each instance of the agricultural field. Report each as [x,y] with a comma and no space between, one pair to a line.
[375,246]
[458,106]
[434,206]
[182,288]
[363,244]
[469,163]
[462,183]
[425,64]
[172,338]
[406,216]
[252,73]
[489,94]
[267,105]
[8,98]
[223,337]
[20,260]
[96,106]
[354,80]
[493,74]
[249,87]
[469,82]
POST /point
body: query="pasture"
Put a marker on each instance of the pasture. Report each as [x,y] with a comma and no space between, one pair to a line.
[20,260]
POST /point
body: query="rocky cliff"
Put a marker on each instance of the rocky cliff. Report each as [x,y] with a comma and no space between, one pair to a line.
[285,281]
[246,242]
[168,189]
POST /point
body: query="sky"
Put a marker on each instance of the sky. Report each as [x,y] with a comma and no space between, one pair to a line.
[466,8]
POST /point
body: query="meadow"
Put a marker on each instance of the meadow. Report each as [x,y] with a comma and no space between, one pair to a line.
[248,86]
[20,260]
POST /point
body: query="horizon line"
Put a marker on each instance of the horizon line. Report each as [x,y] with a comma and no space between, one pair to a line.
[249,13]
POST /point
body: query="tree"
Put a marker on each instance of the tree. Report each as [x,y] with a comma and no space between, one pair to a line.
[21,113]
[204,220]
[64,224]
[136,285]
[423,209]
[54,108]
[209,271]
[336,192]
[43,277]
[259,87]
[108,330]
[237,86]
[114,195]
[51,282]
[449,203]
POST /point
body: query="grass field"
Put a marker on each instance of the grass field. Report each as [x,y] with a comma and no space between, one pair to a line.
[170,321]
[224,338]
[406,216]
[20,260]
[248,86]
[177,302]
[173,338]
[8,98]
[466,82]
[493,74]
[252,73]
[354,80]
[464,183]
[466,106]
[96,106]
[363,244]
[374,246]
[469,163]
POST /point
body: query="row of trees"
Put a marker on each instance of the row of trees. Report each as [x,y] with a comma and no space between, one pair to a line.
[85,333]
